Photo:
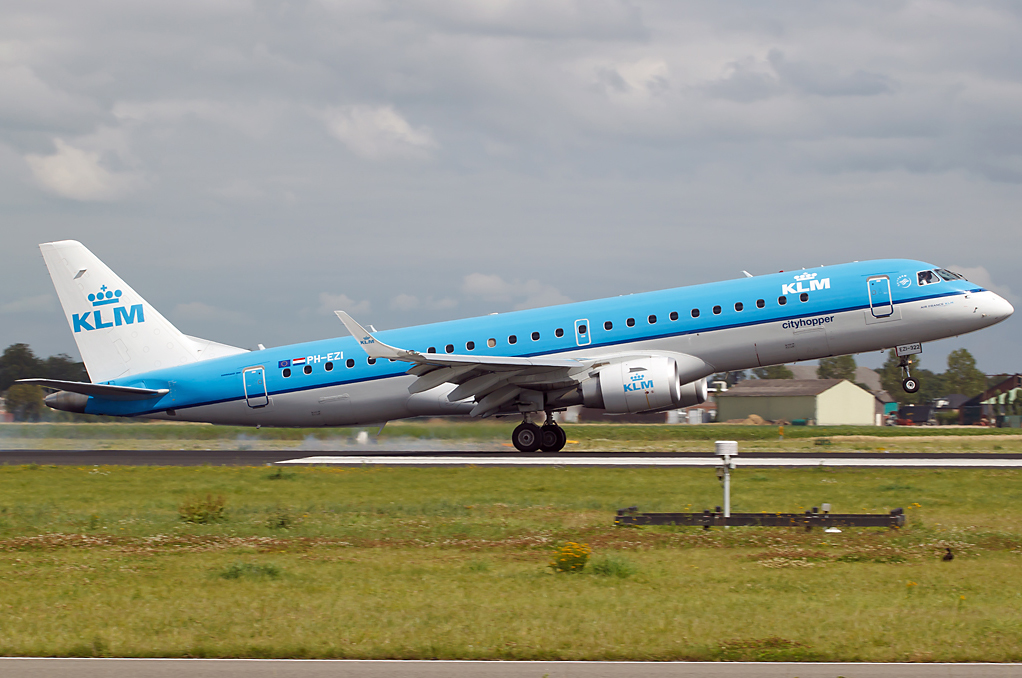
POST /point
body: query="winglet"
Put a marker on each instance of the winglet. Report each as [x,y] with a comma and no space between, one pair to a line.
[373,347]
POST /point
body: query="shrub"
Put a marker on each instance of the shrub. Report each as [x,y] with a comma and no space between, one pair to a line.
[281,519]
[613,566]
[250,570]
[571,557]
[203,510]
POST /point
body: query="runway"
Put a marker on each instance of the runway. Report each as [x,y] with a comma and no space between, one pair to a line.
[311,668]
[488,458]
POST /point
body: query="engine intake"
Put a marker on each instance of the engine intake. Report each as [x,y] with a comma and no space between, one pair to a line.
[645,384]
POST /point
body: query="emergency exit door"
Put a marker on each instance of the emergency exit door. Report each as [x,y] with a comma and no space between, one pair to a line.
[880,304]
[255,387]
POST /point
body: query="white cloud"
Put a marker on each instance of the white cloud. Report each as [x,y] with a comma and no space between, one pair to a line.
[378,133]
[410,302]
[982,277]
[76,173]
[522,295]
[41,303]
[328,303]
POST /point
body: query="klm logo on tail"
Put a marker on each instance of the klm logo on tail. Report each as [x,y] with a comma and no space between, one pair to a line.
[93,320]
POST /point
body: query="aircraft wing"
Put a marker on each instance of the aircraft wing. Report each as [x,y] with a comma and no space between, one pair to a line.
[492,380]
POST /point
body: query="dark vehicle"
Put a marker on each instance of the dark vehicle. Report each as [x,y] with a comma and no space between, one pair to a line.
[916,415]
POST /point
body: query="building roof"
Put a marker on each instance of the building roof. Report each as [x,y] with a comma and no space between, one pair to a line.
[780,387]
[863,375]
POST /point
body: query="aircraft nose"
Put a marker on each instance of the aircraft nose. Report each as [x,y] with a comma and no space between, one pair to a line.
[995,308]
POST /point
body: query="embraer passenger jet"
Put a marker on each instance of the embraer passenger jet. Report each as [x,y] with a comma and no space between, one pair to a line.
[645,352]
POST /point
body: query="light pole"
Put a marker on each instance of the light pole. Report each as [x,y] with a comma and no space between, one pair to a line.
[726,449]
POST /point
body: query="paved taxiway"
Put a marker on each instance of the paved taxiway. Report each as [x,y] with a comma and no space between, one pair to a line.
[241,668]
[264,457]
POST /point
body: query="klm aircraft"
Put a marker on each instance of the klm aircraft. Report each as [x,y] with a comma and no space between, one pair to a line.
[645,352]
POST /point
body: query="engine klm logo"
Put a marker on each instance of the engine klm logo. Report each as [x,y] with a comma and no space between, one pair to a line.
[805,282]
[115,317]
[637,383]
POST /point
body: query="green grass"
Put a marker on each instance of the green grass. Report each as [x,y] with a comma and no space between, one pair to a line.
[453,563]
[495,435]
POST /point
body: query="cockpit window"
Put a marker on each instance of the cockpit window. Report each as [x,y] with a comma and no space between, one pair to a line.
[949,275]
[927,278]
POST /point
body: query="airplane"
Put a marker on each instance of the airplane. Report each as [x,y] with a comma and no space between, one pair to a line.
[646,352]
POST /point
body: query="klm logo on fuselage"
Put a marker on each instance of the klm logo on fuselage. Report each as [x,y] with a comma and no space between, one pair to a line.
[114,317]
[638,383]
[805,282]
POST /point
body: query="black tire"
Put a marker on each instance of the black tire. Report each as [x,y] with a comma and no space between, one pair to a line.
[910,385]
[552,438]
[562,439]
[526,437]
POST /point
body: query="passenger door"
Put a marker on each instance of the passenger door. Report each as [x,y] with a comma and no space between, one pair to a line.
[880,304]
[254,379]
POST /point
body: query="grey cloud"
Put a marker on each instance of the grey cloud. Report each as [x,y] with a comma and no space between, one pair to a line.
[823,80]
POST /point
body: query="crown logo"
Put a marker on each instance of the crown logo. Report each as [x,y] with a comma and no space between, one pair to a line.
[105,297]
[805,276]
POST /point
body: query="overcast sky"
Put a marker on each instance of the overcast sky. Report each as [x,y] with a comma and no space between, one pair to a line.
[249,167]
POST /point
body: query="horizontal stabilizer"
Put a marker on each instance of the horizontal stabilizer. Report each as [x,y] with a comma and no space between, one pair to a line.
[99,390]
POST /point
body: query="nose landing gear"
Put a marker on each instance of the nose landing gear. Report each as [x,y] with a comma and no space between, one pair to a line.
[527,437]
[910,384]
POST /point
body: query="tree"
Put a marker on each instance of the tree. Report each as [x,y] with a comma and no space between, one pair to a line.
[838,367]
[773,372]
[25,402]
[962,375]
[18,362]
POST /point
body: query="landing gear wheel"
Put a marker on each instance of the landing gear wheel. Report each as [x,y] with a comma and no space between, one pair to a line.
[552,438]
[526,437]
[910,385]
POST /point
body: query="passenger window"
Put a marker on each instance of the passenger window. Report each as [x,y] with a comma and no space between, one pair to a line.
[716,310]
[608,325]
[371,361]
[559,332]
[781,301]
[350,363]
[582,329]
[739,306]
[491,342]
[470,346]
[674,315]
[651,320]
[449,348]
[431,349]
[286,372]
[512,339]
[535,336]
[307,369]
[927,278]
[329,367]
[695,312]
[760,303]
[630,322]
[804,296]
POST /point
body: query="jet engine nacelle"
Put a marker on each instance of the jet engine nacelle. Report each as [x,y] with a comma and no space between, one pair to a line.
[642,384]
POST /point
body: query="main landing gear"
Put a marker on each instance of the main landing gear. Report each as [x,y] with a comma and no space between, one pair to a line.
[527,437]
[910,384]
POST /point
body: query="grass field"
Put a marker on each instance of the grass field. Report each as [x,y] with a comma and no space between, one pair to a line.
[495,435]
[453,563]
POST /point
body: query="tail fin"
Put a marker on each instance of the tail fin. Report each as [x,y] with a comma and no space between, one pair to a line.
[118,333]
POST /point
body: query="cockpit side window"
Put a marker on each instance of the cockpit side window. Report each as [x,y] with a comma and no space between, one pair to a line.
[950,275]
[927,278]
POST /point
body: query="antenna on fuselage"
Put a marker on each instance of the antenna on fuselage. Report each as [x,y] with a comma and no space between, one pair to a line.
[747,274]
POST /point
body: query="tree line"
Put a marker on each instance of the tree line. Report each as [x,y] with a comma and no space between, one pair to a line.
[25,401]
[961,376]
